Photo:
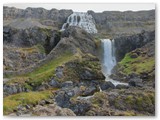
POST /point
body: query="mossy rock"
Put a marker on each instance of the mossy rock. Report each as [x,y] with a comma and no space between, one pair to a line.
[11,102]
[142,102]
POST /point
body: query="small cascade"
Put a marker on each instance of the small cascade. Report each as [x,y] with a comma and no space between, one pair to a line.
[82,20]
[109,60]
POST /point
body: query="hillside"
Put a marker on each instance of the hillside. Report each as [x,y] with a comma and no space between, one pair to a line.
[56,63]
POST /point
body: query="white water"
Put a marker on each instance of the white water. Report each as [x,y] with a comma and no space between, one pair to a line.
[82,20]
[109,60]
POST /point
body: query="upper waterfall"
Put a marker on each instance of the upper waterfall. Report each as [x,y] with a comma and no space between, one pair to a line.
[109,59]
[81,19]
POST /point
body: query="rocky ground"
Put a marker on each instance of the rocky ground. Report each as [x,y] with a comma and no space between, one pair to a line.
[48,72]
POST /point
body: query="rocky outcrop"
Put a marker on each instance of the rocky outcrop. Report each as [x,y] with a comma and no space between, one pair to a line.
[139,70]
[106,85]
[41,110]
[52,110]
[17,58]
[58,16]
[13,89]
[75,38]
[115,23]
[30,36]
[72,41]
[126,44]
[141,101]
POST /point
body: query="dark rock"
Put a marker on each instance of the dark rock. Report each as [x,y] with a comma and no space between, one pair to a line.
[63,96]
[59,71]
[133,55]
[67,84]
[28,106]
[86,74]
[126,44]
[49,101]
[120,86]
[14,88]
[135,82]
[79,107]
[106,85]
[89,91]
[42,87]
[54,83]
[42,102]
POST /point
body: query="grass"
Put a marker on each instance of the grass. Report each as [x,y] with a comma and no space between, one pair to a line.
[136,65]
[35,48]
[36,78]
[11,102]
[44,72]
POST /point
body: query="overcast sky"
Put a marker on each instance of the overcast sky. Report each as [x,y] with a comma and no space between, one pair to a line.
[86,7]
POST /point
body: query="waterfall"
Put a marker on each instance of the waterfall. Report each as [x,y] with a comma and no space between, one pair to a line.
[109,60]
[82,20]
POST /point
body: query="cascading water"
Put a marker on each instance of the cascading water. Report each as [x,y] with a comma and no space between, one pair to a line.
[109,60]
[82,20]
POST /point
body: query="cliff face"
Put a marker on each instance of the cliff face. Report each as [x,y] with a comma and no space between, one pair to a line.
[56,16]
[108,23]
[126,44]
[128,22]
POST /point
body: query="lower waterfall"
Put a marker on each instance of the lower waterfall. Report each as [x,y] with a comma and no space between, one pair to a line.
[109,60]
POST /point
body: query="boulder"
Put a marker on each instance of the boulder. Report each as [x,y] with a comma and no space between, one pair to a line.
[67,84]
[63,96]
[134,55]
[59,71]
[79,107]
[89,91]
[121,86]
[52,110]
[14,88]
[42,87]
[135,82]
[54,83]
[106,85]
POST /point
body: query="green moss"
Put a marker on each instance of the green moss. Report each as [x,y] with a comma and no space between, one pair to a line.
[46,31]
[43,73]
[46,71]
[11,102]
[137,65]
[40,48]
[98,99]
[142,102]
[130,100]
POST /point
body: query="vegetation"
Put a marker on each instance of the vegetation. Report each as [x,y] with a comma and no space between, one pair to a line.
[136,65]
[137,101]
[32,98]
[42,73]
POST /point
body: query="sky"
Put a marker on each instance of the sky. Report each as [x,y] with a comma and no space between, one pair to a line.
[85,7]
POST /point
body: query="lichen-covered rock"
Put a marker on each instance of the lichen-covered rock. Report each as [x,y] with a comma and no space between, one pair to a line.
[86,68]
[140,100]
[52,110]
[79,107]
